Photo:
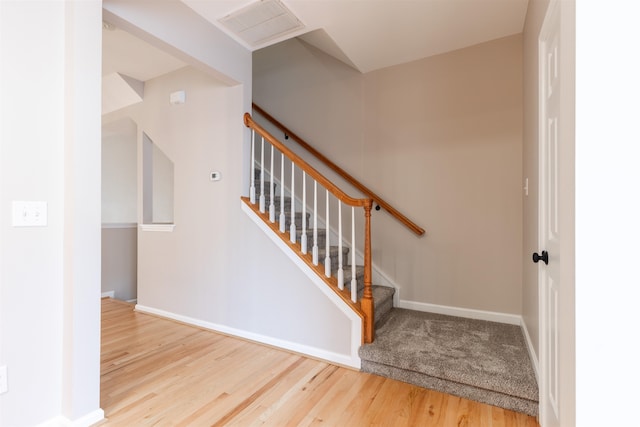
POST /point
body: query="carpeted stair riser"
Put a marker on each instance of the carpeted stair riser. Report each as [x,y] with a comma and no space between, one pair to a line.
[477,394]
[333,253]
[383,302]
[322,241]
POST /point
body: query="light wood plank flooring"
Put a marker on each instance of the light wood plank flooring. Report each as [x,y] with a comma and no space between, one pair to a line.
[163,373]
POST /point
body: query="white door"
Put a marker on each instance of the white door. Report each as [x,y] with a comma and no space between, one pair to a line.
[555,255]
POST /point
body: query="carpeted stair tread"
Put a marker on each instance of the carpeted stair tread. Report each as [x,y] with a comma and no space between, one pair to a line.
[472,358]
[322,233]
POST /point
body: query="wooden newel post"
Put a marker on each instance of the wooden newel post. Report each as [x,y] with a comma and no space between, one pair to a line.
[367,297]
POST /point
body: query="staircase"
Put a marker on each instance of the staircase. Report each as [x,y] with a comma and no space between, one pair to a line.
[478,360]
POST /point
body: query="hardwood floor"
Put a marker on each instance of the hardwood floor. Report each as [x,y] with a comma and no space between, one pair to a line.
[162,373]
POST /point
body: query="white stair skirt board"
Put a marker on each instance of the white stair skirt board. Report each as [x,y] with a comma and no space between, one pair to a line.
[491,316]
[85,421]
[532,353]
[352,359]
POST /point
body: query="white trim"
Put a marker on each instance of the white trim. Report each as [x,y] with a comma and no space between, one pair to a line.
[492,316]
[353,359]
[531,349]
[315,352]
[157,227]
[119,225]
[109,294]
[88,420]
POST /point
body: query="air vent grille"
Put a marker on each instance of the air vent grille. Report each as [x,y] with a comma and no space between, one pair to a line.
[261,22]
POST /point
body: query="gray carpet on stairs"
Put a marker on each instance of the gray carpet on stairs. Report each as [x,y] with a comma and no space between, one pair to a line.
[479,360]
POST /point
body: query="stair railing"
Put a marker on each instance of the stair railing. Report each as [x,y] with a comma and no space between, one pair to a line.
[380,202]
[257,201]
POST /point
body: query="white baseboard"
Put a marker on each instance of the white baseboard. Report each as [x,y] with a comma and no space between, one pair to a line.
[532,353]
[317,353]
[110,294]
[511,319]
[85,421]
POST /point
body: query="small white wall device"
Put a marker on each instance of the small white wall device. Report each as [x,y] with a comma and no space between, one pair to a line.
[176,98]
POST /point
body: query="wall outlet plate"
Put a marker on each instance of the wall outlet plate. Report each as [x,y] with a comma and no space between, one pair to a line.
[215,176]
[4,387]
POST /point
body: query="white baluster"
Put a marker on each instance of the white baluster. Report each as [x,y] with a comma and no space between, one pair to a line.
[262,170]
[292,227]
[340,271]
[354,282]
[303,235]
[272,206]
[314,250]
[282,217]
[327,257]
[252,189]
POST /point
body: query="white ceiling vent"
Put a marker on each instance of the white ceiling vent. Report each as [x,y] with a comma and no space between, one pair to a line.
[261,22]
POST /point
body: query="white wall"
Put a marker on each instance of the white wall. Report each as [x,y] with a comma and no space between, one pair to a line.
[217,267]
[49,276]
[198,43]
[439,138]
[119,168]
[607,211]
[163,183]
[200,270]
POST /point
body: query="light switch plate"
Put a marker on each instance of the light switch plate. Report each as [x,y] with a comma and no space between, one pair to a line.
[29,213]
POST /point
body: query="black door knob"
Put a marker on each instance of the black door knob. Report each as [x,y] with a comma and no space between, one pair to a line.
[544,257]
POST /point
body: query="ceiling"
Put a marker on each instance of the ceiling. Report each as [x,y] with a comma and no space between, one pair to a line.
[365,34]
[373,34]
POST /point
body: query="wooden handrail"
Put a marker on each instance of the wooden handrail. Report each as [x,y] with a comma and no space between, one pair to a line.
[250,123]
[366,303]
[337,169]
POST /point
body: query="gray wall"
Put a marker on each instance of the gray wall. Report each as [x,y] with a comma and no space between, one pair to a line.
[120,260]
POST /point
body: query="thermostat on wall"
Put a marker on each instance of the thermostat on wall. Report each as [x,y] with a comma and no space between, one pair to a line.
[215,176]
[177,97]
